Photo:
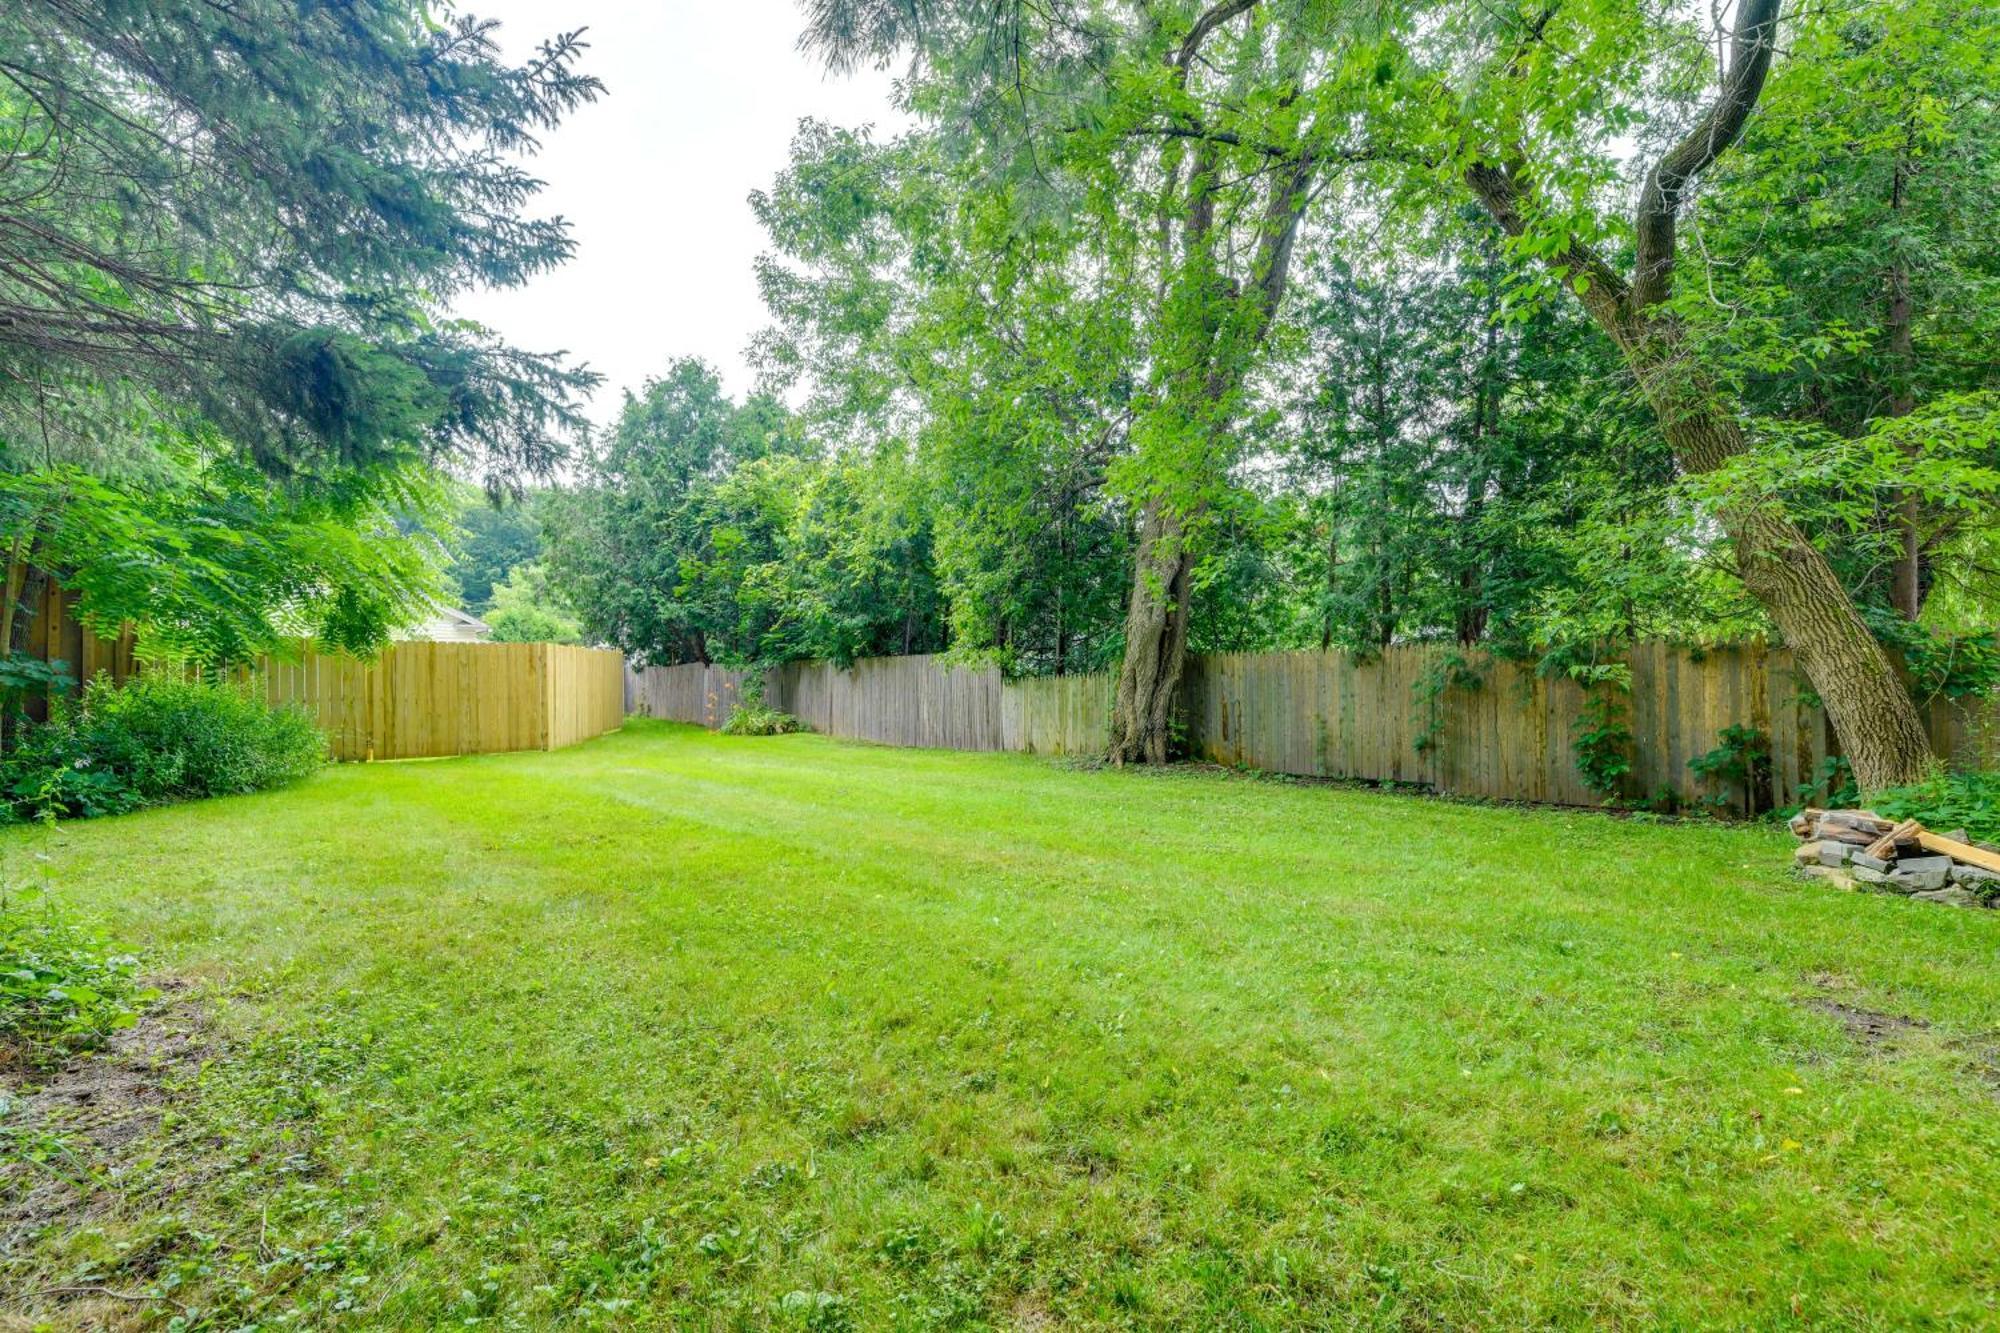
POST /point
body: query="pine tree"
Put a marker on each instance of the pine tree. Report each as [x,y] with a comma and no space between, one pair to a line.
[253,214]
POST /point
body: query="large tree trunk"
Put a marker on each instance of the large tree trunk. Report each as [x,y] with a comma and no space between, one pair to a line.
[1869,705]
[27,585]
[10,599]
[1199,378]
[1867,702]
[27,605]
[1871,709]
[1156,628]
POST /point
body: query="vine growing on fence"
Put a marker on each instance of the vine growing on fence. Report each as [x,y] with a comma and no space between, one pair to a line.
[1453,671]
[1603,743]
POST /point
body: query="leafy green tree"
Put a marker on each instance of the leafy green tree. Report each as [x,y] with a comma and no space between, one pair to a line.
[1196,136]
[527,609]
[1874,172]
[1464,476]
[1520,110]
[920,311]
[491,541]
[217,563]
[1191,139]
[818,559]
[634,544]
[228,240]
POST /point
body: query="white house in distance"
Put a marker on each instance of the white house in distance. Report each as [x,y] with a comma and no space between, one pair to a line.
[448,624]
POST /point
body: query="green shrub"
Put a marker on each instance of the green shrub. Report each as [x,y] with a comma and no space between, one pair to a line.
[1739,768]
[1832,788]
[1946,801]
[155,740]
[1603,744]
[751,717]
[754,719]
[61,986]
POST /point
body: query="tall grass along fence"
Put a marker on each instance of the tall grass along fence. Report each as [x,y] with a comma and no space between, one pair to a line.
[1464,723]
[413,701]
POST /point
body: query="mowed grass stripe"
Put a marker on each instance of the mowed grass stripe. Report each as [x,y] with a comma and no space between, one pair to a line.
[682,1030]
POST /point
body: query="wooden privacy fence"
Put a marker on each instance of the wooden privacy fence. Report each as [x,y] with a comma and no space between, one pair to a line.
[414,701]
[897,701]
[426,700]
[1512,736]
[691,693]
[1329,714]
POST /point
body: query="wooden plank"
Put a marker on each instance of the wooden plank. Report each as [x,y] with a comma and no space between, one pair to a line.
[1956,850]
[1885,846]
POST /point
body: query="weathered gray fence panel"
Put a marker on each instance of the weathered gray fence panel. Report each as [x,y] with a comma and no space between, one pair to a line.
[1057,714]
[1513,735]
[1510,737]
[691,693]
[895,701]
[916,701]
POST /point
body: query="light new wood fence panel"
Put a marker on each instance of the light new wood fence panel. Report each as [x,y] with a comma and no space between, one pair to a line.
[586,693]
[430,700]
[415,700]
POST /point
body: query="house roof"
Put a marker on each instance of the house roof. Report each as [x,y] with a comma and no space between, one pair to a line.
[458,617]
[447,623]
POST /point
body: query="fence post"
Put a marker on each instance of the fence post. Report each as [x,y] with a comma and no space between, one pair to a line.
[545,655]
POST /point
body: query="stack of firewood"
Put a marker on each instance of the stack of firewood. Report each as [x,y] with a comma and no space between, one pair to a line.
[1858,849]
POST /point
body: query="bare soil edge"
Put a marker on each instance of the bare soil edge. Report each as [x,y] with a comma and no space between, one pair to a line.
[68,1136]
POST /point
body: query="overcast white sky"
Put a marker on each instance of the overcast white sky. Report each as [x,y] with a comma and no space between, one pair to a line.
[701,101]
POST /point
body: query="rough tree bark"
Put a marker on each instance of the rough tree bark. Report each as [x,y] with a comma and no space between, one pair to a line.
[26,585]
[27,605]
[10,599]
[1156,619]
[1870,708]
[1197,388]
[1156,628]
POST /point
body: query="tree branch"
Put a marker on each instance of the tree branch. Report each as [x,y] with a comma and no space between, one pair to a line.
[1751,47]
[1280,228]
[1203,26]
[1198,131]
[1606,296]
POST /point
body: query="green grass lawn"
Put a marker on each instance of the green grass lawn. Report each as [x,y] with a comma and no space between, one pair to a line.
[677,1030]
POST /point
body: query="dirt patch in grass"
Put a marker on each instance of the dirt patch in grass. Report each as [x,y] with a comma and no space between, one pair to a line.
[1029,1315]
[1870,1027]
[1882,1033]
[66,1134]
